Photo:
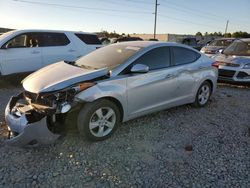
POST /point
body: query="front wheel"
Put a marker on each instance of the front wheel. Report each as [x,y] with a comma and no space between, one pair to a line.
[98,120]
[203,94]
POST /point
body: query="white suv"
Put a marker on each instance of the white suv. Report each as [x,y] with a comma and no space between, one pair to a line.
[28,50]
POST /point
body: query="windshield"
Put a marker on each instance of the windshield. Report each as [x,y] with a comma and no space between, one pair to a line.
[220,43]
[107,57]
[239,47]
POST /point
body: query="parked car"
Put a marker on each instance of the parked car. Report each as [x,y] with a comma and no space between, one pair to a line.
[29,50]
[125,39]
[190,41]
[113,84]
[216,45]
[234,62]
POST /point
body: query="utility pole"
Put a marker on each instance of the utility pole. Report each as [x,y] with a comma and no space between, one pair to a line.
[226,27]
[156,5]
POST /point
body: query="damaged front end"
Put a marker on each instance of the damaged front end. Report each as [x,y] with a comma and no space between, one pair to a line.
[32,119]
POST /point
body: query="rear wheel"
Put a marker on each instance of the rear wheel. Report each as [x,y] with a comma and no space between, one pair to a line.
[203,94]
[98,120]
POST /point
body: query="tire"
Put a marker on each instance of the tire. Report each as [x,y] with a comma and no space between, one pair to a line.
[203,94]
[98,120]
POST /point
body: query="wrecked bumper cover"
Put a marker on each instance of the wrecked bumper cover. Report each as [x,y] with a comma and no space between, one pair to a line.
[23,132]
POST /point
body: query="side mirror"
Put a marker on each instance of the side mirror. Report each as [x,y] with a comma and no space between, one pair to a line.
[139,68]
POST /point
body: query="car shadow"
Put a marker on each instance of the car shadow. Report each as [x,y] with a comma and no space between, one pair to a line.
[239,85]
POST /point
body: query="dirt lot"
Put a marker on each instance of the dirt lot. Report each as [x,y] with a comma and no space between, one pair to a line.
[180,147]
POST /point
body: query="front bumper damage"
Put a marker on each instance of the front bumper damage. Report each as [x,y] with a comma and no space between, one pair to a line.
[25,129]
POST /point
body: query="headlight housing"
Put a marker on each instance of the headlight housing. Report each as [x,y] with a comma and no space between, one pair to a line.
[246,66]
[83,86]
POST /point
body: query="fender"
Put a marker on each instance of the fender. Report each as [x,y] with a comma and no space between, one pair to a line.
[113,89]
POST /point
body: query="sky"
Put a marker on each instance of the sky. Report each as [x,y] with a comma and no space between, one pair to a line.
[127,16]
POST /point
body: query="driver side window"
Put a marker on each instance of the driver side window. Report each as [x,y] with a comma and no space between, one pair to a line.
[17,42]
[157,58]
[27,40]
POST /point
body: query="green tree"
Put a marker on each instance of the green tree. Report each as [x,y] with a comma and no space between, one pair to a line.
[240,34]
[198,34]
[228,35]
[220,34]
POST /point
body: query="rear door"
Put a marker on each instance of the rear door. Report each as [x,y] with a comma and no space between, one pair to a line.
[150,91]
[22,53]
[186,63]
[57,47]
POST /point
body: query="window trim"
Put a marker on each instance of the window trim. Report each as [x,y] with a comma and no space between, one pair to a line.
[173,58]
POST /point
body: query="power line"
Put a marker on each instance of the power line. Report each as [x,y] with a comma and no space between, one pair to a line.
[192,10]
[112,10]
[81,7]
[202,13]
[185,21]
[136,1]
[188,11]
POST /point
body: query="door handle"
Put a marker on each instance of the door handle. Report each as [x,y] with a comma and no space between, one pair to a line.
[35,52]
[169,76]
[71,50]
[201,67]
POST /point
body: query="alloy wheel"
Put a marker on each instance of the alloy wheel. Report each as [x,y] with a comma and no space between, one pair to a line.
[204,94]
[102,122]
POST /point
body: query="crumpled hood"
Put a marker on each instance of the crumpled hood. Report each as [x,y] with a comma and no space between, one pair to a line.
[232,59]
[59,76]
[212,48]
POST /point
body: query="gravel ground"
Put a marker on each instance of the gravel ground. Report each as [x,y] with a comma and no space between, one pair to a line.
[180,147]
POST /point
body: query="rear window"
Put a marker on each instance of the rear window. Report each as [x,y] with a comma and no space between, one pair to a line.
[88,38]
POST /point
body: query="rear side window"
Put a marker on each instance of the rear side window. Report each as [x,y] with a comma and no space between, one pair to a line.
[183,55]
[88,38]
[54,39]
[155,59]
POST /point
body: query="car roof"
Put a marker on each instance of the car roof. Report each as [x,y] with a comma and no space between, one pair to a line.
[47,30]
[146,44]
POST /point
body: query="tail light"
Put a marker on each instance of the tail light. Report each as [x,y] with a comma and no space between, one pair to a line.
[216,64]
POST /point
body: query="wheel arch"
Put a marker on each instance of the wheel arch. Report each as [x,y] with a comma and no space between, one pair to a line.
[211,84]
[116,102]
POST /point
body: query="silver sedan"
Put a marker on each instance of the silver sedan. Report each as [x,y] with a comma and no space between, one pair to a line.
[111,85]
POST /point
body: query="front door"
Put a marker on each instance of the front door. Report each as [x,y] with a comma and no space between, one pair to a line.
[150,91]
[21,54]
